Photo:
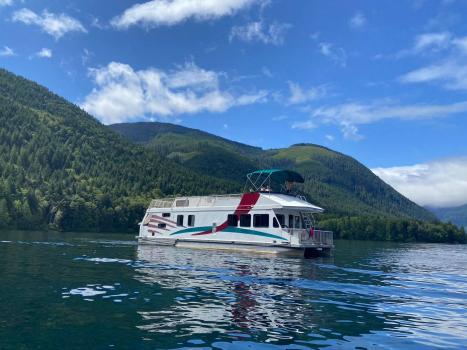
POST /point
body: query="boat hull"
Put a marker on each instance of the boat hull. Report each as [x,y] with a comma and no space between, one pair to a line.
[238,246]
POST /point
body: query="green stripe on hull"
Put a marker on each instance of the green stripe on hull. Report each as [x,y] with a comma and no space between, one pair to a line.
[193,229]
[230,229]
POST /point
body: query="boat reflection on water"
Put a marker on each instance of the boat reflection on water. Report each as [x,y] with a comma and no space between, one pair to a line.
[266,298]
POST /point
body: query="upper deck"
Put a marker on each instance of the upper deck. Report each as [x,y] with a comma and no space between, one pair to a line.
[231,201]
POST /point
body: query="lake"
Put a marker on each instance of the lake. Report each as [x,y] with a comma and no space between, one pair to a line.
[103,291]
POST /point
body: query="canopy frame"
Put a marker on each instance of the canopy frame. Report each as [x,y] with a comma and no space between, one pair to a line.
[261,180]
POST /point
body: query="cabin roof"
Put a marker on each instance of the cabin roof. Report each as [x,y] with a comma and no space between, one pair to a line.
[231,201]
[288,201]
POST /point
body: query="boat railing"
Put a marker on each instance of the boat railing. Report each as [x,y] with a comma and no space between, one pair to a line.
[308,237]
[194,201]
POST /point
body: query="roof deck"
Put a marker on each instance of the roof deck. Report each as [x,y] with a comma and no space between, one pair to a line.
[266,201]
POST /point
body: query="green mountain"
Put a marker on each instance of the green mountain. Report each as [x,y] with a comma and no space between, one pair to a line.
[61,168]
[194,149]
[456,215]
[333,180]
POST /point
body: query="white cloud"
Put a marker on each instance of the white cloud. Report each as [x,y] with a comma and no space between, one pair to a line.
[304,125]
[6,2]
[452,74]
[171,12]
[334,53]
[56,25]
[6,51]
[299,95]
[123,94]
[450,71]
[267,72]
[438,184]
[350,115]
[259,31]
[434,41]
[45,53]
[358,20]
[329,137]
[280,117]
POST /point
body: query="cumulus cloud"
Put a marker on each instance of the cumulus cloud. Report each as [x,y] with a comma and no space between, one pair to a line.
[349,116]
[358,20]
[259,31]
[123,94]
[6,51]
[56,25]
[5,2]
[450,71]
[437,184]
[171,12]
[334,53]
[300,95]
[45,53]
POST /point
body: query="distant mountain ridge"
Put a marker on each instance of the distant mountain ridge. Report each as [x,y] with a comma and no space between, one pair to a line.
[337,182]
[456,215]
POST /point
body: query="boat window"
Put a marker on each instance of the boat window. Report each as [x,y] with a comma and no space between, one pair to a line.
[274,222]
[161,225]
[261,220]
[280,220]
[166,215]
[191,220]
[297,222]
[245,220]
[179,220]
[232,220]
[291,221]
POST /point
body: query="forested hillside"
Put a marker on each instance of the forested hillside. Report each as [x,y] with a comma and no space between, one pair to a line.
[61,168]
[332,180]
[195,149]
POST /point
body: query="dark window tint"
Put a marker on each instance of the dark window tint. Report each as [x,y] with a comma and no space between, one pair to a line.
[179,220]
[281,219]
[161,225]
[275,223]
[261,220]
[245,220]
[291,221]
[232,220]
[166,215]
[297,222]
[191,220]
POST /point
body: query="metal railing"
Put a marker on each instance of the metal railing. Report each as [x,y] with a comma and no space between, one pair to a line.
[315,237]
[193,201]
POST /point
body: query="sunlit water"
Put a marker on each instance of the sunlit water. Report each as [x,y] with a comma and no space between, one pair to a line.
[90,291]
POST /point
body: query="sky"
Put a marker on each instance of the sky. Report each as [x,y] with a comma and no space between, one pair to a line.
[382,81]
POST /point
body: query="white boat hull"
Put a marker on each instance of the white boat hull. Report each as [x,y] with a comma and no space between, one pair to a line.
[237,246]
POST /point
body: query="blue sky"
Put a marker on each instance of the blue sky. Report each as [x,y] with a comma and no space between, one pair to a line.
[382,81]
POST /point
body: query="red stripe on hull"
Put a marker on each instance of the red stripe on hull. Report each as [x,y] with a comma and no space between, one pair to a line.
[247,203]
[161,222]
[163,219]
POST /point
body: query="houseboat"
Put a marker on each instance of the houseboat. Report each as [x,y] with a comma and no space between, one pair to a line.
[267,217]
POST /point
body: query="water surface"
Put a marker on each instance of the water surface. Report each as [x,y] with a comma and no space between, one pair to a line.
[96,291]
